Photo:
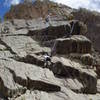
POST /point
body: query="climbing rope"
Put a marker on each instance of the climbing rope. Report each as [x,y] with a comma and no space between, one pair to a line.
[72,28]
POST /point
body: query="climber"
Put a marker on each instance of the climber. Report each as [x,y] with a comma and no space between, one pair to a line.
[5,29]
[47,60]
[48,18]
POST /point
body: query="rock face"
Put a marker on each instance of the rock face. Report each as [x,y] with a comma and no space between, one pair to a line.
[78,27]
[87,59]
[38,9]
[75,44]
[92,20]
[26,75]
[23,75]
[65,67]
[45,31]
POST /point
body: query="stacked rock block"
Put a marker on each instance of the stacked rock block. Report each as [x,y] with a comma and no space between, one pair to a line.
[75,44]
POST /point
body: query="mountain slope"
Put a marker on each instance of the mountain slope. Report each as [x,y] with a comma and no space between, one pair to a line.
[60,12]
[92,20]
[23,74]
[74,70]
[38,9]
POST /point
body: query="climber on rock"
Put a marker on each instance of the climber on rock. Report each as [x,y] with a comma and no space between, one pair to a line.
[47,60]
[5,29]
[48,18]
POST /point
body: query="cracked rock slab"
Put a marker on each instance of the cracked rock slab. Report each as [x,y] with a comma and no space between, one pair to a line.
[27,75]
[22,45]
[74,44]
[66,68]
[7,84]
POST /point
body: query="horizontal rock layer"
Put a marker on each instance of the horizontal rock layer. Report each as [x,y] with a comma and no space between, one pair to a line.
[22,61]
[30,76]
[75,44]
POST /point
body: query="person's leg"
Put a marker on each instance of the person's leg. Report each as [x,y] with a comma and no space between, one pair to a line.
[45,64]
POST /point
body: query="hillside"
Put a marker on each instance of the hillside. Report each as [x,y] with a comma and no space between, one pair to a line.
[25,73]
[92,20]
[73,73]
[60,12]
[38,9]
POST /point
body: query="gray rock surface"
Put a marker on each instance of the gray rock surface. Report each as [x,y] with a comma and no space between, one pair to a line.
[30,76]
[45,31]
[22,45]
[98,86]
[87,59]
[19,24]
[74,44]
[78,27]
[8,87]
[22,71]
[68,68]
[65,94]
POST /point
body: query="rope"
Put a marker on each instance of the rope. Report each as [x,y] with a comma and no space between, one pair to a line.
[53,50]
[72,28]
[45,37]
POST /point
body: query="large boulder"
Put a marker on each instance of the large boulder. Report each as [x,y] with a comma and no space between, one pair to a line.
[32,59]
[97,69]
[65,94]
[74,70]
[98,86]
[50,31]
[22,62]
[87,59]
[22,45]
[23,32]
[74,84]
[19,24]
[6,28]
[8,87]
[77,27]
[36,24]
[25,75]
[74,44]
[4,51]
